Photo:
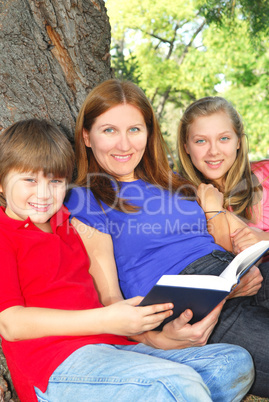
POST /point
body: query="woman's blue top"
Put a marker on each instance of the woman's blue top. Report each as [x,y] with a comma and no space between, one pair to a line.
[163,237]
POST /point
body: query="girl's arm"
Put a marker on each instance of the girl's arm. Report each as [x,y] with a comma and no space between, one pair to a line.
[226,228]
[246,236]
[211,200]
[122,318]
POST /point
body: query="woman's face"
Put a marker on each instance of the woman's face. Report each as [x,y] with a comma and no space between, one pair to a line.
[118,139]
[212,145]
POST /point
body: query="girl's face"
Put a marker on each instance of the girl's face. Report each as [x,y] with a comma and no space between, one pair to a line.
[118,139]
[212,145]
[33,195]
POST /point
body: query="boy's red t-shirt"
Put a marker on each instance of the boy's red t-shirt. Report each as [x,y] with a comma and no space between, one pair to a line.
[47,270]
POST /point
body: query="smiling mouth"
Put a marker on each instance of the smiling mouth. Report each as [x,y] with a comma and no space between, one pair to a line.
[122,158]
[40,207]
[214,163]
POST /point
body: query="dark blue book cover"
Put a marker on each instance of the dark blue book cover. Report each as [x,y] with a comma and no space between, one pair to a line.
[200,301]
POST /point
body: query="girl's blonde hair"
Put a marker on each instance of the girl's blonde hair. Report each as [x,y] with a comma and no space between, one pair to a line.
[33,145]
[242,189]
[153,167]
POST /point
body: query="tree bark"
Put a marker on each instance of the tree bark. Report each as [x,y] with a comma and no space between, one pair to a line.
[52,53]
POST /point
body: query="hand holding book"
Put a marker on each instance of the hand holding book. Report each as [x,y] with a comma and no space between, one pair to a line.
[249,284]
[201,293]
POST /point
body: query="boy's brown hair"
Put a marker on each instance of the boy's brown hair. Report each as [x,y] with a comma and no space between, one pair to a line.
[33,145]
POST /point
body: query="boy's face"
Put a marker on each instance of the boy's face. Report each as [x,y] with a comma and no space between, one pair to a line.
[34,195]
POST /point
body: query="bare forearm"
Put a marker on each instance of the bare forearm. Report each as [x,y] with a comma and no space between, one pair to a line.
[211,200]
[219,228]
[19,323]
[122,318]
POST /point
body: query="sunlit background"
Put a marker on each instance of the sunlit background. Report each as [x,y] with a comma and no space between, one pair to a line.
[178,51]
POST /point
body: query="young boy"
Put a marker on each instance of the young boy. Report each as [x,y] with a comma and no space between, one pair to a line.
[59,341]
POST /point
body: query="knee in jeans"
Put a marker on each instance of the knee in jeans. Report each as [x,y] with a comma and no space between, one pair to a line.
[238,357]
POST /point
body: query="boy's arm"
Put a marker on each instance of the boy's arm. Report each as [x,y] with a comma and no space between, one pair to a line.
[123,318]
[18,322]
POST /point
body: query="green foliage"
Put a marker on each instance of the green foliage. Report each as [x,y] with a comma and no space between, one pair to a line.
[256,12]
[125,67]
[181,51]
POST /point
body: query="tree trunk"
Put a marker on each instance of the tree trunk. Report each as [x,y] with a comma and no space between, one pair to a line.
[52,53]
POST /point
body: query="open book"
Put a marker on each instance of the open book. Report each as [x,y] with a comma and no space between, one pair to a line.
[202,293]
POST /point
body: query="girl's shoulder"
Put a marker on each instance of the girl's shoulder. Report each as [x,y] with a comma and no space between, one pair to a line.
[260,166]
[261,170]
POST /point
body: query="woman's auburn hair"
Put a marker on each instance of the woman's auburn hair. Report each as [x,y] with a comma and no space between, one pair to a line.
[153,167]
[242,189]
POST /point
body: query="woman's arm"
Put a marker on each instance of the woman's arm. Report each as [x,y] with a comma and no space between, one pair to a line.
[103,268]
[177,334]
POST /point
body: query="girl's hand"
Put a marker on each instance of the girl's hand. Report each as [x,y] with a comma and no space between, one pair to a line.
[210,198]
[249,284]
[127,318]
[245,237]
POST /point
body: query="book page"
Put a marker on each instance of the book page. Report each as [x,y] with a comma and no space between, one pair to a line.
[195,281]
[244,260]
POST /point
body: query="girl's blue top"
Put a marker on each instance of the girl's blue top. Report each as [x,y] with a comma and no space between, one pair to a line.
[163,237]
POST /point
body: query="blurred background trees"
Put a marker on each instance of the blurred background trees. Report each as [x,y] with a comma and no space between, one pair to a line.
[178,51]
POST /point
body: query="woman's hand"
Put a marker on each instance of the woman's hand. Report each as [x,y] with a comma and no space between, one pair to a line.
[210,198]
[179,334]
[249,284]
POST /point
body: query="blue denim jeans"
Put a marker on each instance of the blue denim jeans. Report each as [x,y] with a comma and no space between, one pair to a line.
[244,321]
[140,373]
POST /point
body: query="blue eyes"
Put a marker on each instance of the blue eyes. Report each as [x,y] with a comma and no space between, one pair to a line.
[57,181]
[202,141]
[30,180]
[53,181]
[111,130]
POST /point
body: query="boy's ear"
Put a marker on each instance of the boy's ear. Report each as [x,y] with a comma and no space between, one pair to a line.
[86,137]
